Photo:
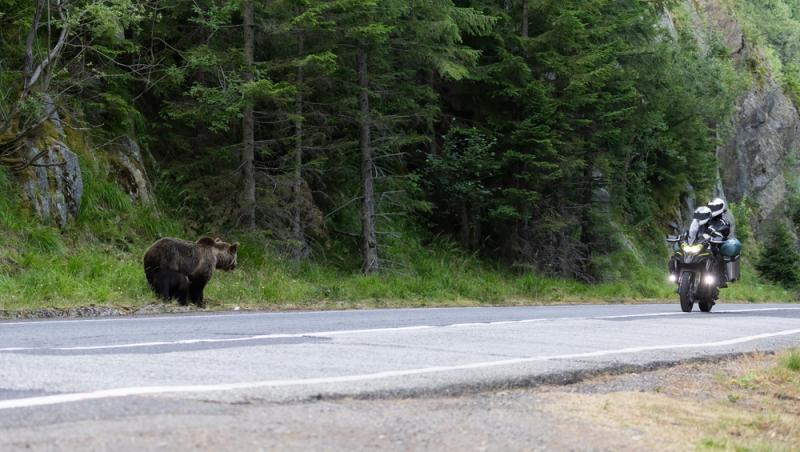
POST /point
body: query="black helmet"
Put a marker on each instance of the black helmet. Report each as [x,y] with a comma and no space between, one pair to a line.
[702,215]
[718,206]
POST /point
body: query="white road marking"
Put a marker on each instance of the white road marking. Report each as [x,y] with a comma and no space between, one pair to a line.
[149,390]
[324,334]
[787,308]
[311,334]
[227,339]
[35,322]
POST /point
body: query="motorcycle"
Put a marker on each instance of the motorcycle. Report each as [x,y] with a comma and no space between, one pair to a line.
[701,268]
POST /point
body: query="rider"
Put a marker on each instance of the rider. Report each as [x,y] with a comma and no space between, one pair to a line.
[699,226]
[718,226]
[697,230]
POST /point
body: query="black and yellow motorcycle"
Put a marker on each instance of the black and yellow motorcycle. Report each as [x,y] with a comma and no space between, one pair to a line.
[701,267]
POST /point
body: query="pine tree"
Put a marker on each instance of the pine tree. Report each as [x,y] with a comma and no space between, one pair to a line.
[779,261]
[247,198]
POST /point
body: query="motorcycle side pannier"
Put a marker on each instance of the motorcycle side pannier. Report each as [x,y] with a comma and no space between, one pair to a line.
[732,270]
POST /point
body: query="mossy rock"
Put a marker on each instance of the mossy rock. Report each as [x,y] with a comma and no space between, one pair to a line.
[129,170]
[53,185]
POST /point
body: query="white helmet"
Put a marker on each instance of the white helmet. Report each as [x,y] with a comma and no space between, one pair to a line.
[718,206]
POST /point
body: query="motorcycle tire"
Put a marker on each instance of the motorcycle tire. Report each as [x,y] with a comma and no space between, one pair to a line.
[685,292]
[706,305]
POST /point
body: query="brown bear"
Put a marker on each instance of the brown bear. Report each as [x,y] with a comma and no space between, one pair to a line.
[169,260]
[172,285]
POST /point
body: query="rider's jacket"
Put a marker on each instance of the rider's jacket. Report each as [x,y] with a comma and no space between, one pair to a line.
[718,227]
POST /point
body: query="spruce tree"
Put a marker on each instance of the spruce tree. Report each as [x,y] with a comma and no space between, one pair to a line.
[779,261]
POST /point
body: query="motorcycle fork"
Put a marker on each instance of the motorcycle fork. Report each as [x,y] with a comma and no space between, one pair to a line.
[692,283]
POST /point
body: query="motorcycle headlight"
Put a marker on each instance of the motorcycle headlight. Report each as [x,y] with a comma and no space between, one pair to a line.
[691,249]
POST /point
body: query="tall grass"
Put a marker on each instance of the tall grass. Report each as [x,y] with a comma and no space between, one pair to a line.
[791,360]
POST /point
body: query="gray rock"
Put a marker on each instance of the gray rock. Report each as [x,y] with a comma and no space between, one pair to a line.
[55,119]
[54,184]
[130,170]
[683,213]
[765,125]
[725,26]
[752,163]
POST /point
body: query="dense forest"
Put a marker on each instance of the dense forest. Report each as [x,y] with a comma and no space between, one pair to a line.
[556,138]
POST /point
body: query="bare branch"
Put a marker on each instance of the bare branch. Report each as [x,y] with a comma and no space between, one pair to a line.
[19,164]
[54,52]
[28,67]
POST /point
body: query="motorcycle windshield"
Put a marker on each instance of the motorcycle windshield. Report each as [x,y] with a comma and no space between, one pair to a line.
[694,229]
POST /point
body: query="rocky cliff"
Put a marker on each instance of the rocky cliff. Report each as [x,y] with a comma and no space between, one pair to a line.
[53,184]
[762,147]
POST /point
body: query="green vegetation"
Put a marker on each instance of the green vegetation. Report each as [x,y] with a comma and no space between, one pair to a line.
[779,260]
[100,263]
[748,403]
[791,360]
[774,25]
[379,152]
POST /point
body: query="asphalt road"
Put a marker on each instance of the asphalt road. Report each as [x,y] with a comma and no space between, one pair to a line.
[59,372]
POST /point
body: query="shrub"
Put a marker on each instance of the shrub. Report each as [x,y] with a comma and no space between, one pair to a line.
[780,260]
[791,360]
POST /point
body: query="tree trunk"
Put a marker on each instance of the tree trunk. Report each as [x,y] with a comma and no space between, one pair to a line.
[433,148]
[300,245]
[524,18]
[28,65]
[465,230]
[247,201]
[369,245]
[475,230]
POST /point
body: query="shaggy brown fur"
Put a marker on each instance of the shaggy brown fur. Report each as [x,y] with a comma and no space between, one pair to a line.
[172,286]
[168,260]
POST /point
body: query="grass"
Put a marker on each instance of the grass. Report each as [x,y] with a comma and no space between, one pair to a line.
[768,417]
[746,404]
[52,272]
[791,361]
[97,260]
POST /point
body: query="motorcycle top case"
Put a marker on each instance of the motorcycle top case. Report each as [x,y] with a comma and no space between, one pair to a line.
[731,248]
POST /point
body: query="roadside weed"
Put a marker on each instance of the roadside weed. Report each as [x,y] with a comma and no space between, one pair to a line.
[791,360]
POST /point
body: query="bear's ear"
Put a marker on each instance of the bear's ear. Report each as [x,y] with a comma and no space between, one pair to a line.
[234,247]
[207,241]
[217,240]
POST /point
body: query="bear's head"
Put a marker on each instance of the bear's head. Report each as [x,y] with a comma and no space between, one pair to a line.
[225,253]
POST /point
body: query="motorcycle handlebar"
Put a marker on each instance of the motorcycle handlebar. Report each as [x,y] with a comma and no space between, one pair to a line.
[674,239]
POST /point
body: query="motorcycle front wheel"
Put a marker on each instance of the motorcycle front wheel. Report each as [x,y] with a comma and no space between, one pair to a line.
[685,292]
[708,303]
